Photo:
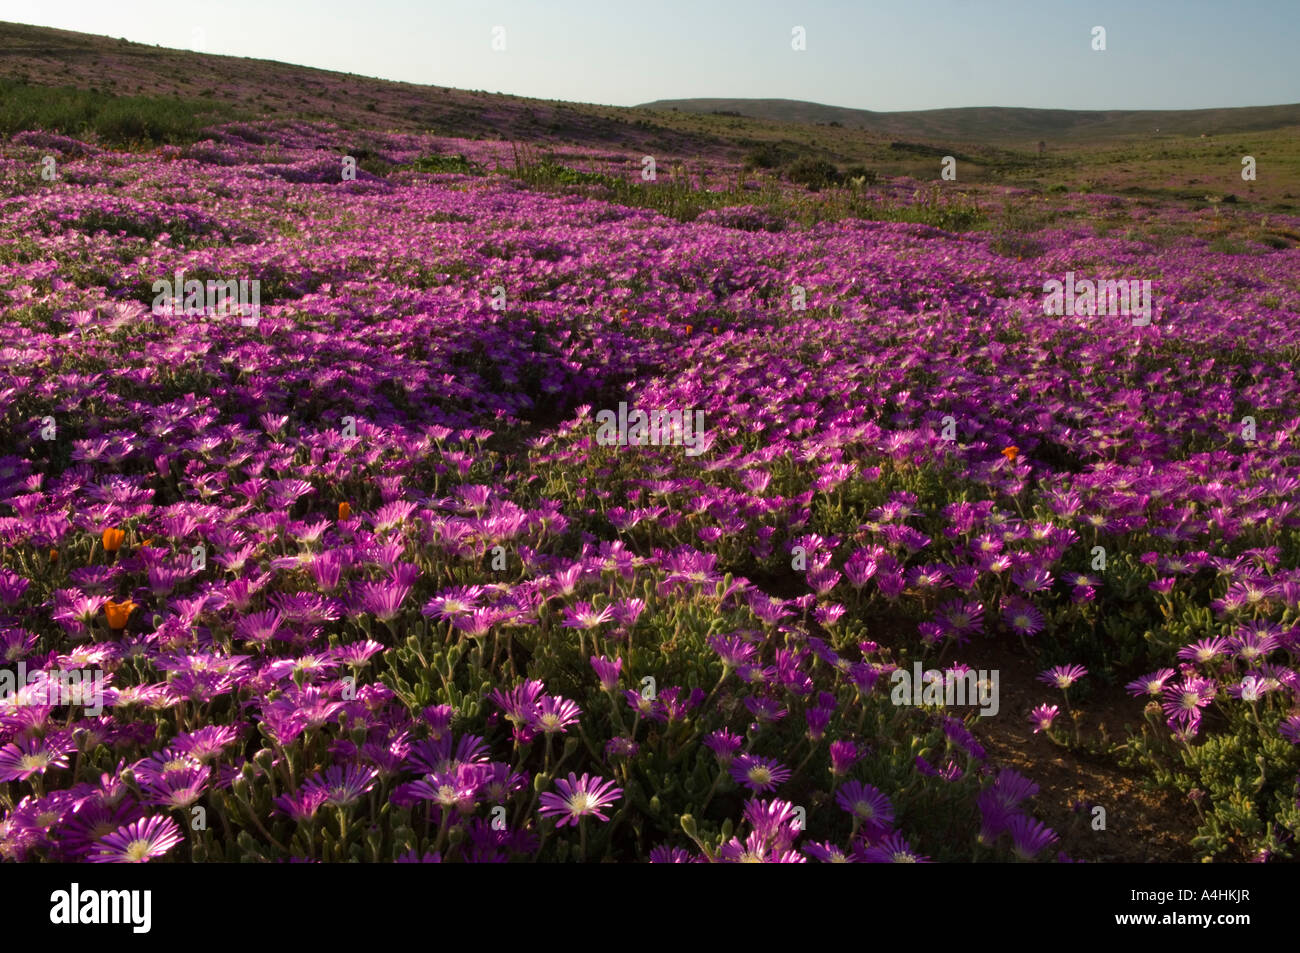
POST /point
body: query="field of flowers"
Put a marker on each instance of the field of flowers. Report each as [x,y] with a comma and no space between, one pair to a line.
[360,581]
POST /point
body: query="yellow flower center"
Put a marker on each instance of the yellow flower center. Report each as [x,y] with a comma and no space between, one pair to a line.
[35,762]
[579,803]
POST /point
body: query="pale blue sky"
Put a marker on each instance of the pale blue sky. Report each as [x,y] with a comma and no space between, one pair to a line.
[908,54]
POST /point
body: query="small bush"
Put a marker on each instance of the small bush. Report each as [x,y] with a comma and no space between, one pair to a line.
[117,120]
[812,173]
[869,176]
[766,156]
[442,164]
[747,218]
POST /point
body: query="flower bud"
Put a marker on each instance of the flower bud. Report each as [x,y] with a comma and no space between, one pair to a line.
[265,759]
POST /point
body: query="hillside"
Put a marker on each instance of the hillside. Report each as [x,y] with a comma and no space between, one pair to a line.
[60,80]
[1002,124]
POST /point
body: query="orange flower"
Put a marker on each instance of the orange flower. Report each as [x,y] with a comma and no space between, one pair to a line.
[145,543]
[118,613]
[688,329]
[1010,452]
[54,555]
[345,510]
[113,540]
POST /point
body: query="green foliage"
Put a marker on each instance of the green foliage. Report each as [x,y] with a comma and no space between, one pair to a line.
[768,155]
[1241,780]
[936,207]
[1227,245]
[115,120]
[670,194]
[867,176]
[812,173]
[1015,230]
[447,163]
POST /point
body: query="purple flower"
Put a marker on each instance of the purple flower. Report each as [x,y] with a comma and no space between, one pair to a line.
[758,774]
[1021,617]
[723,744]
[827,853]
[755,849]
[1184,701]
[303,804]
[34,756]
[342,786]
[1043,716]
[520,702]
[583,616]
[818,719]
[777,822]
[1152,684]
[672,855]
[764,709]
[621,748]
[627,611]
[733,650]
[1063,676]
[867,804]
[650,708]
[1206,650]
[1252,688]
[1290,729]
[177,789]
[554,714]
[893,848]
[138,842]
[1010,788]
[844,755]
[579,797]
[1029,836]
[607,671]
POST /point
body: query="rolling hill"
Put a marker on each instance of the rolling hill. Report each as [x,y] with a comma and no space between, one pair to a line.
[1000,124]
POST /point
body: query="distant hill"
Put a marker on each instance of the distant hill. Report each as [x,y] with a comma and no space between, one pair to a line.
[54,79]
[42,56]
[1000,124]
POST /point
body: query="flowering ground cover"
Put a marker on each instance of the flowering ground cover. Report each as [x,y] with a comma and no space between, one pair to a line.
[361,577]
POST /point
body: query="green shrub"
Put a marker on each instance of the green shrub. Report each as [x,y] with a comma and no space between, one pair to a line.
[445,163]
[869,176]
[766,156]
[812,173]
[116,120]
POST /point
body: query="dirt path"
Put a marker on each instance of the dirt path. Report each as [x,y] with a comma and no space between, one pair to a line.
[1142,826]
